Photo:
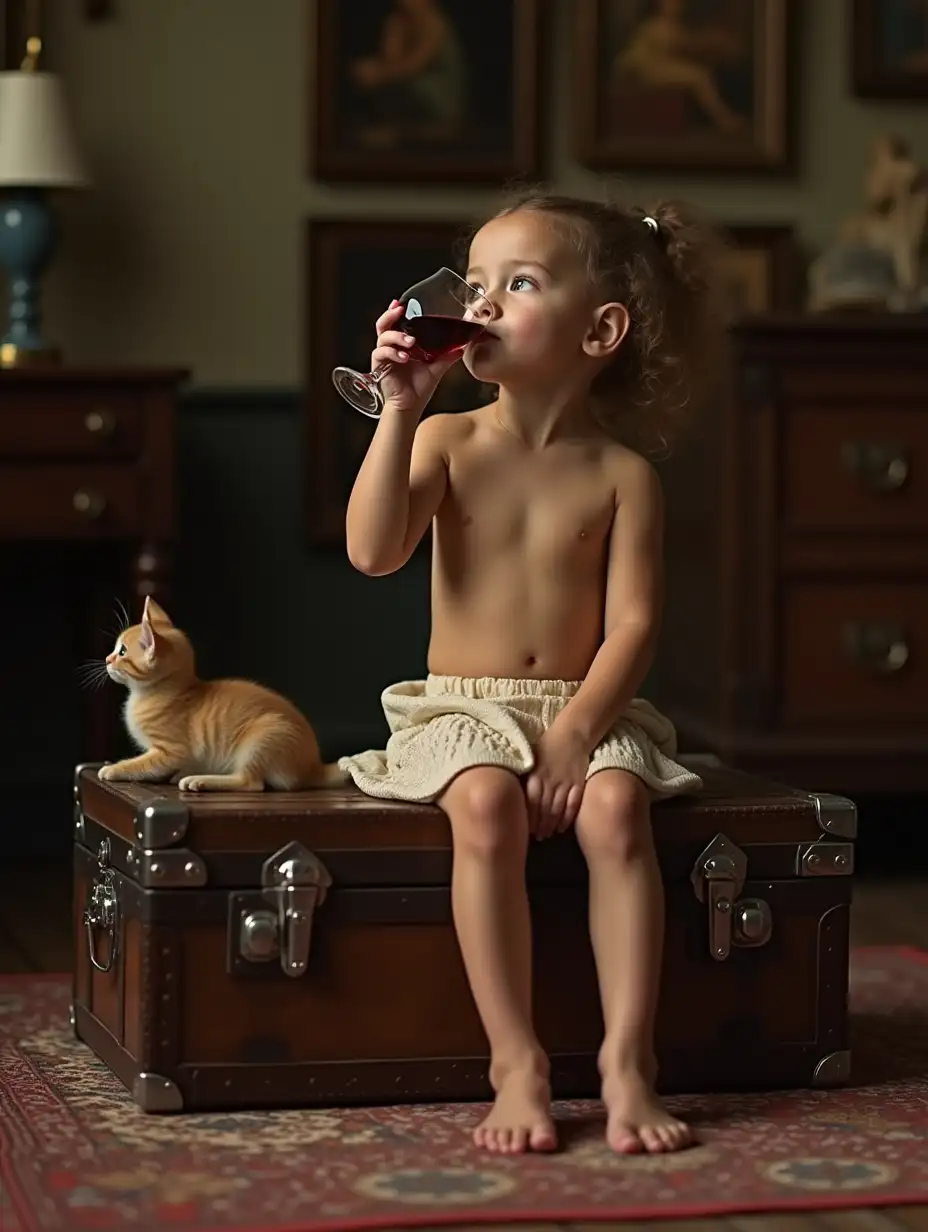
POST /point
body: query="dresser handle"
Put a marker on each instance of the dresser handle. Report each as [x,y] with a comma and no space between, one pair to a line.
[88,503]
[881,466]
[880,648]
[100,423]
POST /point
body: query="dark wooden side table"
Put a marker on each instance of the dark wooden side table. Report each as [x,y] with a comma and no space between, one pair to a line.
[87,462]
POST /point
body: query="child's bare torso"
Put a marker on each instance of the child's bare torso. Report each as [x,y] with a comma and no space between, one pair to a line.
[520,553]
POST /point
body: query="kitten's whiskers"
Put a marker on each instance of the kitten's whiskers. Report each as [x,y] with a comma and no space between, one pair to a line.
[92,674]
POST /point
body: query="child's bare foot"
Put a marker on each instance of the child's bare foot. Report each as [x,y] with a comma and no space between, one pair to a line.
[520,1119]
[636,1118]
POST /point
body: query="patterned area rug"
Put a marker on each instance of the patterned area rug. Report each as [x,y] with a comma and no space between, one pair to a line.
[76,1154]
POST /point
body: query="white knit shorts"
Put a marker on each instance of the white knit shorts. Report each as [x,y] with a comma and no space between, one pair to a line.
[446,724]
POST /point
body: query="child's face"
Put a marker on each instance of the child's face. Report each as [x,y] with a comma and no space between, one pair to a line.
[541,297]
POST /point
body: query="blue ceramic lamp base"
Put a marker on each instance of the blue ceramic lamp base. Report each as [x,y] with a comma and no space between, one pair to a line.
[27,241]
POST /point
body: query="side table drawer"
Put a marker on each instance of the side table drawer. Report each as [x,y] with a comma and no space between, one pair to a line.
[856,469]
[855,652]
[96,501]
[75,424]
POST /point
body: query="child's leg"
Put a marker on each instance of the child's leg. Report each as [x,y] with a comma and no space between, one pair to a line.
[489,823]
[627,931]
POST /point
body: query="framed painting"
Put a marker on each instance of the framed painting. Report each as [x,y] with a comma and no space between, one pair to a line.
[425,90]
[698,85]
[355,267]
[762,269]
[889,48]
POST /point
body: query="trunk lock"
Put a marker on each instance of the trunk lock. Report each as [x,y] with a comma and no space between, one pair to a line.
[718,877]
[294,881]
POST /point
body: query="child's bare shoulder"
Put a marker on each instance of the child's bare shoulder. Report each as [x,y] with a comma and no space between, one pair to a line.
[633,475]
[446,429]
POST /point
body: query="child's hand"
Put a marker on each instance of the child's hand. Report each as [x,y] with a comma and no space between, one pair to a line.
[554,789]
[409,384]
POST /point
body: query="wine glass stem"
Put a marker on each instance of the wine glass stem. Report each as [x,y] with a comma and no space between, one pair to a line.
[379,373]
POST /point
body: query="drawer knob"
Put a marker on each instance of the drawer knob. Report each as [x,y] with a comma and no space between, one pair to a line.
[880,648]
[100,423]
[881,466]
[88,503]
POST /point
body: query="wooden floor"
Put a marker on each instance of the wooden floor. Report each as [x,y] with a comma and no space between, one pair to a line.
[35,935]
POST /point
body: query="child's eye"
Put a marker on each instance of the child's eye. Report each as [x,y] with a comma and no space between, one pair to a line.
[514,285]
[121,650]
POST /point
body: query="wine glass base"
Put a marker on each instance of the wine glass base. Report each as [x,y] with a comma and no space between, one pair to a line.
[359,391]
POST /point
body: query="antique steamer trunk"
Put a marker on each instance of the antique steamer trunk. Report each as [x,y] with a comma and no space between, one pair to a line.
[281,949]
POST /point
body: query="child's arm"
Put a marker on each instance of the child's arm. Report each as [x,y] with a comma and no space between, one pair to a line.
[634,596]
[398,489]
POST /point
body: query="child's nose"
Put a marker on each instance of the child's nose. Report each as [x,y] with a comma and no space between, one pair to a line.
[487,310]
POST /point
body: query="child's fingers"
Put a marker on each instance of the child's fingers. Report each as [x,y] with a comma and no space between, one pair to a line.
[388,355]
[394,338]
[388,318]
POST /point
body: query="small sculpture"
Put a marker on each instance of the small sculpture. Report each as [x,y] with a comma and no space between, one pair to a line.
[877,259]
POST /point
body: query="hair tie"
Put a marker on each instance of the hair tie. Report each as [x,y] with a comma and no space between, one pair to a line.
[652,223]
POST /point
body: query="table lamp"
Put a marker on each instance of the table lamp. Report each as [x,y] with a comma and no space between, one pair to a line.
[37,154]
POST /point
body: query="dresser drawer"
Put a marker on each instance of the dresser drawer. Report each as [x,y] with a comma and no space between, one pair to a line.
[72,424]
[855,652]
[69,502]
[855,469]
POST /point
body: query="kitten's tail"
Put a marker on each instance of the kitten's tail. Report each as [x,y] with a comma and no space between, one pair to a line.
[328,774]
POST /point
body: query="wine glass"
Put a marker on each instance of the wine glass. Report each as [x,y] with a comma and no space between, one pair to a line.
[443,313]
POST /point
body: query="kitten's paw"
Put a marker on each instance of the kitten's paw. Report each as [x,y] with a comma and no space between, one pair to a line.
[112,773]
[191,782]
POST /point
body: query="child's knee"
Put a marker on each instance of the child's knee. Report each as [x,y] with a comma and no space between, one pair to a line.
[486,808]
[614,815]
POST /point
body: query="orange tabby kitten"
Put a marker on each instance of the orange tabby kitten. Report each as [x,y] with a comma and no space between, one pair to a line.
[206,735]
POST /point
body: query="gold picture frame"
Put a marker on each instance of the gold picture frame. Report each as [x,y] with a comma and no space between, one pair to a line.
[469,115]
[709,90]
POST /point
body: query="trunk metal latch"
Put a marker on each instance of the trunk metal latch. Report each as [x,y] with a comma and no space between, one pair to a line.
[718,877]
[294,881]
[101,911]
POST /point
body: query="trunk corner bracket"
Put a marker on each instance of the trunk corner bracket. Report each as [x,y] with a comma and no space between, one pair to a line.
[153,1093]
[162,822]
[835,814]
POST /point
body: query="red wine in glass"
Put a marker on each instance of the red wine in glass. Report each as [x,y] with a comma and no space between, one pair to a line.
[443,313]
[440,336]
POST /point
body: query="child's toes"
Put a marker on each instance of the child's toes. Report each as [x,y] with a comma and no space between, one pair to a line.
[622,1138]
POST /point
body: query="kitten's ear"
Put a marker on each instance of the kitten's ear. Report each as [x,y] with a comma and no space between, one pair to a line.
[147,640]
[155,613]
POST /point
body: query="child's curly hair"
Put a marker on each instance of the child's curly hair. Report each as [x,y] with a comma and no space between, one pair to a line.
[665,265]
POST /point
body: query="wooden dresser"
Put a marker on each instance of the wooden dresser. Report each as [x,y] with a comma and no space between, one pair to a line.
[795,640]
[87,464]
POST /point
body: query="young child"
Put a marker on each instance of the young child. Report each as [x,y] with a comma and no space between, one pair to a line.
[546,599]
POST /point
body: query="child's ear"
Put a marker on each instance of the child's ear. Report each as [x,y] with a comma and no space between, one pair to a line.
[607,331]
[155,613]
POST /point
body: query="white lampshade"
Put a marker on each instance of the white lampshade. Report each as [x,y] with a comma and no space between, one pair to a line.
[37,146]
